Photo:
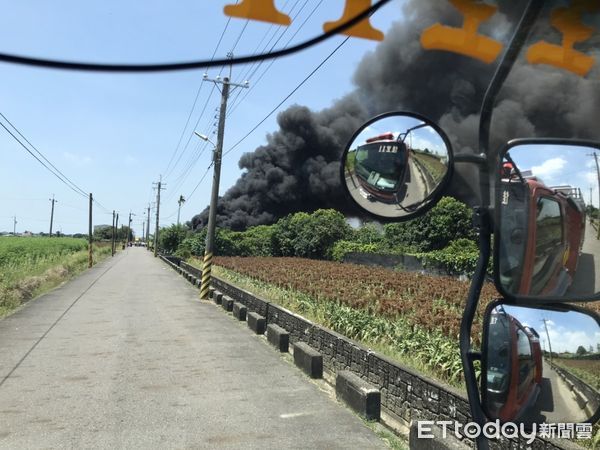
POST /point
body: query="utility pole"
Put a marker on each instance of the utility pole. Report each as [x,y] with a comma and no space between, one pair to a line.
[143,231]
[90,252]
[14,225]
[148,227]
[212,215]
[129,233]
[159,187]
[112,252]
[181,201]
[52,213]
[595,155]
[116,231]
[548,335]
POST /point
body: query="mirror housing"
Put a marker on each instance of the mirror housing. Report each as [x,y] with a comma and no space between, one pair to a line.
[545,247]
[396,166]
[548,375]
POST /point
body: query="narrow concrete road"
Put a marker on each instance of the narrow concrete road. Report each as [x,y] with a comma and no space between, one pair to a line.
[556,403]
[587,277]
[126,356]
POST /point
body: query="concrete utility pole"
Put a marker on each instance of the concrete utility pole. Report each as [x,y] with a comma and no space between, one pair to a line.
[129,233]
[112,252]
[14,225]
[90,251]
[116,231]
[52,213]
[595,155]
[181,201]
[143,231]
[548,335]
[148,227]
[159,187]
[212,215]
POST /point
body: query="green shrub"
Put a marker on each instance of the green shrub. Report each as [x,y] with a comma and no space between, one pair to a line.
[459,257]
[342,248]
[447,221]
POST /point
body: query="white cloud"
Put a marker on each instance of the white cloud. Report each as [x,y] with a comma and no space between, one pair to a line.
[550,168]
[563,339]
[78,160]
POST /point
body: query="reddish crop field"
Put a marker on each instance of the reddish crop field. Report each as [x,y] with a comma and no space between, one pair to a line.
[435,303]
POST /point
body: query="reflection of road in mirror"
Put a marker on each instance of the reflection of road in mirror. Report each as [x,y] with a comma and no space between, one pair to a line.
[541,365]
[587,276]
[395,165]
[556,403]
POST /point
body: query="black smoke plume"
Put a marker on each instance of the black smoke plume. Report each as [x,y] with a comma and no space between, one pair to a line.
[298,168]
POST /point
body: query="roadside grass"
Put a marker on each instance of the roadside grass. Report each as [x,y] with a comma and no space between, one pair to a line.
[588,370]
[30,267]
[431,353]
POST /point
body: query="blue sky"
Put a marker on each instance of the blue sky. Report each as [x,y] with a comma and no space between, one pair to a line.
[114,134]
[560,165]
[567,330]
[421,138]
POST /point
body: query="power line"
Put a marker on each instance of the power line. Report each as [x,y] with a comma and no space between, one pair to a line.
[197,96]
[56,172]
[235,102]
[95,67]
[76,189]
[287,97]
[199,182]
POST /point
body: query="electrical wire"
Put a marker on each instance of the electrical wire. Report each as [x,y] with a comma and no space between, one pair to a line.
[287,97]
[53,170]
[76,190]
[199,182]
[189,65]
[254,67]
[236,103]
[61,176]
[198,94]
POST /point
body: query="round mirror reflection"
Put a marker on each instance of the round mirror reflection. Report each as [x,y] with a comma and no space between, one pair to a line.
[396,165]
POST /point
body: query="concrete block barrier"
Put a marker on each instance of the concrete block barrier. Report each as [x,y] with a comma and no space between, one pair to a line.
[239,311]
[361,396]
[278,337]
[217,297]
[211,291]
[309,360]
[256,323]
[227,303]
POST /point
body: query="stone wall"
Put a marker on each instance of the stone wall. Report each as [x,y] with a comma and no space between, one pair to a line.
[405,393]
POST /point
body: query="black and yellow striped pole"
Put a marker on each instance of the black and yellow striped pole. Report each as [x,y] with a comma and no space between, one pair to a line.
[212,214]
[206,266]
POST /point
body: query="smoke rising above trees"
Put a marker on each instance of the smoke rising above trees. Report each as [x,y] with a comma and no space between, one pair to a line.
[298,167]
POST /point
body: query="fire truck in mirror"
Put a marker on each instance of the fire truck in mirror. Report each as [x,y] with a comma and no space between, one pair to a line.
[547,244]
[396,165]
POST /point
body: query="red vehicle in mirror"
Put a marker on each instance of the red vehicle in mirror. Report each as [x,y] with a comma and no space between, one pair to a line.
[515,367]
[380,166]
[542,232]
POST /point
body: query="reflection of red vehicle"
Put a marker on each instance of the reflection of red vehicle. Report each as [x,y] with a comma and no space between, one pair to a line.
[542,235]
[380,166]
[514,367]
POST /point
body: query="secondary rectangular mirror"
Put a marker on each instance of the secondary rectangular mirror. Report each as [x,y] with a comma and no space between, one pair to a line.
[540,365]
[547,243]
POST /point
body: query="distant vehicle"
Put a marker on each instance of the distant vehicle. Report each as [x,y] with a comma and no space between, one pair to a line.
[544,229]
[515,367]
[380,166]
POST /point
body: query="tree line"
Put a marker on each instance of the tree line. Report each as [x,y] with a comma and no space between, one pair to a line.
[443,236]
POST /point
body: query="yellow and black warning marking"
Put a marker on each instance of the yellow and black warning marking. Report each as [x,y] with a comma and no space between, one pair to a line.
[206,267]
